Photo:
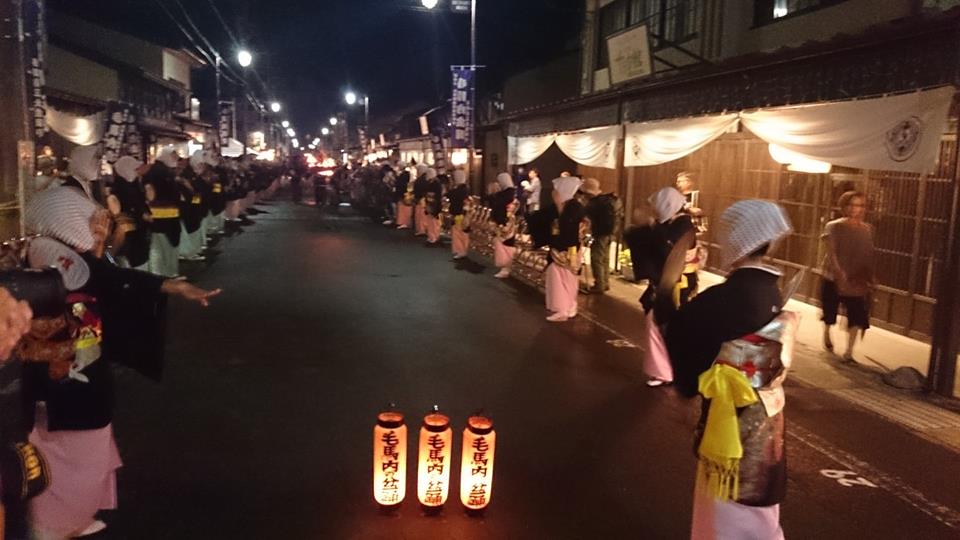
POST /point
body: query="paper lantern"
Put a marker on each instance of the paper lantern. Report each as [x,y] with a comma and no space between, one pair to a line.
[476,465]
[433,471]
[389,459]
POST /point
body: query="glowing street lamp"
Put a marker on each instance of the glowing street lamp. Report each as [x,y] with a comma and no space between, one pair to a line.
[291,132]
[324,131]
[429,4]
[350,98]
[275,107]
[476,464]
[244,58]
[433,470]
[389,459]
[285,124]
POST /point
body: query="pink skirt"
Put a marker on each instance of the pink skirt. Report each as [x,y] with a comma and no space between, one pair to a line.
[503,255]
[656,360]
[420,217]
[728,520]
[233,209]
[404,215]
[460,241]
[433,228]
[83,477]
[562,286]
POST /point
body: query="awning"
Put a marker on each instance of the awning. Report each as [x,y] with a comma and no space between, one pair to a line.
[595,147]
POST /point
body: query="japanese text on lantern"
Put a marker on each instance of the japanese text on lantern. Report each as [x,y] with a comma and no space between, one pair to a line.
[389,459]
[476,473]
[433,473]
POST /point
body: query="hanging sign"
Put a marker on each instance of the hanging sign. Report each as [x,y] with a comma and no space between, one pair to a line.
[116,130]
[34,49]
[228,122]
[630,55]
[132,143]
[460,6]
[461,129]
[439,153]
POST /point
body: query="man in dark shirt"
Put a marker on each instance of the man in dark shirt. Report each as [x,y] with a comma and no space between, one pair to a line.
[602,211]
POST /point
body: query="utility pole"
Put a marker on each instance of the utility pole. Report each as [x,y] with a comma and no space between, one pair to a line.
[16,139]
[473,93]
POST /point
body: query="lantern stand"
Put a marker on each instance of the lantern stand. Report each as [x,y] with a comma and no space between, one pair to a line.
[389,460]
[436,437]
[479,430]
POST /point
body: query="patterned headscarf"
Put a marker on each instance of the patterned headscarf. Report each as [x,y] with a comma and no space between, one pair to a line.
[566,187]
[126,168]
[62,213]
[746,226]
[667,202]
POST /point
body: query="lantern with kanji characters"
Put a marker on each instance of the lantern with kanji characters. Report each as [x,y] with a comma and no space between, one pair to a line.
[433,471]
[476,465]
[389,459]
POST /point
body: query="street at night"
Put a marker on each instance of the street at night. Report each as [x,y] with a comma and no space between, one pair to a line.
[262,425]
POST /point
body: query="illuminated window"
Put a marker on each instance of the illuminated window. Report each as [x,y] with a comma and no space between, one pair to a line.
[766,11]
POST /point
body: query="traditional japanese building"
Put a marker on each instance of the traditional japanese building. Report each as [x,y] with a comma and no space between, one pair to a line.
[717,88]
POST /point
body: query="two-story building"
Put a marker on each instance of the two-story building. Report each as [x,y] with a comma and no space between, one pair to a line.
[794,101]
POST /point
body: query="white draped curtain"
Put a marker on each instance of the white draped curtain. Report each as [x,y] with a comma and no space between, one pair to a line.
[595,147]
[80,130]
[653,143]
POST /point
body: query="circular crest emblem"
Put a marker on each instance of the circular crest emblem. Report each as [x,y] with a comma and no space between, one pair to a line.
[903,139]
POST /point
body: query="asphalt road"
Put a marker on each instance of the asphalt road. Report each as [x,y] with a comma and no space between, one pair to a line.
[262,426]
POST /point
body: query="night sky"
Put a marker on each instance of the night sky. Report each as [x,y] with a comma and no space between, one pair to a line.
[310,51]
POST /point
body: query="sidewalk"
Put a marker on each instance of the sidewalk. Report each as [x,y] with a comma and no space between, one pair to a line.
[860,383]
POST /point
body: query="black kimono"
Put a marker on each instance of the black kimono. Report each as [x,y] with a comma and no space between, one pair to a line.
[133,204]
[165,208]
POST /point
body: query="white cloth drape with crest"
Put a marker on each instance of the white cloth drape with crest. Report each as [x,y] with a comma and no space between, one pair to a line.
[523,150]
[80,130]
[596,147]
[653,143]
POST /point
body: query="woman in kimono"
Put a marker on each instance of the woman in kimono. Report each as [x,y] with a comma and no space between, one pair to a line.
[458,195]
[562,283]
[503,207]
[110,315]
[733,344]
[128,204]
[419,201]
[433,204]
[163,197]
[404,199]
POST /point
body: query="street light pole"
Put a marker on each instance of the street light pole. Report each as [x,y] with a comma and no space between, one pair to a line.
[473,91]
[216,64]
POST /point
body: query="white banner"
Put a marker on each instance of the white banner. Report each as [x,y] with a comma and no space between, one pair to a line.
[897,133]
[652,143]
[523,150]
[80,130]
[596,147]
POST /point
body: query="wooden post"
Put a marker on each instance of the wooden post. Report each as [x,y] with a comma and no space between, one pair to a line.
[13,108]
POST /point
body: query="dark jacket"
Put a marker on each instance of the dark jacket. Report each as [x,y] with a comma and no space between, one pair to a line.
[602,211]
[499,202]
[434,197]
[133,204]
[458,196]
[566,233]
[167,193]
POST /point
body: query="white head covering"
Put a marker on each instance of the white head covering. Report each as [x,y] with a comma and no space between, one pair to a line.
[459,177]
[126,168]
[201,158]
[431,174]
[505,180]
[566,187]
[46,252]
[169,157]
[421,169]
[62,213]
[84,164]
[746,226]
[667,202]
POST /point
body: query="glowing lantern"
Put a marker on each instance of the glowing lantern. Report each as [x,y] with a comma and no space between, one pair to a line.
[389,459]
[433,472]
[476,465]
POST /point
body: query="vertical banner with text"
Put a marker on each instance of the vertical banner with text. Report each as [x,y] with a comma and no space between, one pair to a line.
[115,134]
[461,118]
[439,153]
[227,125]
[34,49]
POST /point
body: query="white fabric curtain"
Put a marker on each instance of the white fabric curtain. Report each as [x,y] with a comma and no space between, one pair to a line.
[653,143]
[592,147]
[523,150]
[81,130]
[897,133]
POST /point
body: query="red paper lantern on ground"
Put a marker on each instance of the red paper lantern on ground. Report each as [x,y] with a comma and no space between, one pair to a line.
[389,459]
[433,472]
[476,465]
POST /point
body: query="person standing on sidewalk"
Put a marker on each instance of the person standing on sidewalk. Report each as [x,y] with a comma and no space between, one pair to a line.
[460,240]
[603,211]
[733,344]
[533,189]
[565,257]
[420,202]
[848,273]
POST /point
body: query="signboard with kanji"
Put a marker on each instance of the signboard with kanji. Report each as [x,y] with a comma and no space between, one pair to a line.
[461,117]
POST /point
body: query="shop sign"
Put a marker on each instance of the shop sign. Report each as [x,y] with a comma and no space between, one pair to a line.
[630,55]
[461,129]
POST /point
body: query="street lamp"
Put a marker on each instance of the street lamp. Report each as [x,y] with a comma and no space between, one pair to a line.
[244,58]
[324,131]
[291,132]
[429,4]
[275,107]
[334,121]
[285,124]
[350,98]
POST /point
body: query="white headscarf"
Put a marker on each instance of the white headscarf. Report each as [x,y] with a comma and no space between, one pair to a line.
[62,213]
[169,157]
[84,164]
[431,174]
[201,158]
[746,226]
[126,168]
[505,180]
[459,177]
[421,169]
[667,202]
[566,187]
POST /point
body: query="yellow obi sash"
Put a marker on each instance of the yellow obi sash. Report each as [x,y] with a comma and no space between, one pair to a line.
[165,212]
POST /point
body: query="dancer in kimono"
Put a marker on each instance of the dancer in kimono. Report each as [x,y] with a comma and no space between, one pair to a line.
[128,204]
[163,196]
[562,283]
[458,195]
[503,207]
[419,201]
[433,204]
[733,345]
[403,195]
[110,315]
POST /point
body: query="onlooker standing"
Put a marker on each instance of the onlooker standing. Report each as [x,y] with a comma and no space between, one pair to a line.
[603,211]
[533,189]
[848,274]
